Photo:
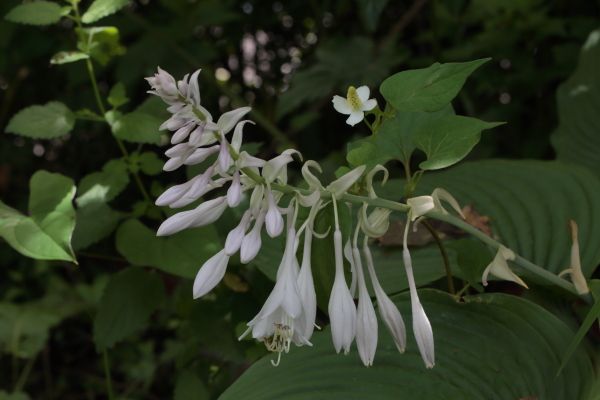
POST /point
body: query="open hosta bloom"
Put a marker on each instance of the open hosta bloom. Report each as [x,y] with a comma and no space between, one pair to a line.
[231,175]
[355,104]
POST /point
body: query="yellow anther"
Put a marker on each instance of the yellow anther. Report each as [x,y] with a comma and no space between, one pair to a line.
[353,100]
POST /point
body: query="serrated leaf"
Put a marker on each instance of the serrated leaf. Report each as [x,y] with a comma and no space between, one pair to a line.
[46,233]
[35,13]
[577,138]
[117,96]
[105,185]
[102,8]
[51,120]
[181,254]
[102,43]
[65,57]
[494,346]
[449,139]
[130,297]
[427,89]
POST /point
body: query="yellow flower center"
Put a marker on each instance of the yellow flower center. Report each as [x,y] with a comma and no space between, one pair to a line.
[353,100]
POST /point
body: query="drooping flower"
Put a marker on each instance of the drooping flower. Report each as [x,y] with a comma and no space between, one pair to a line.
[500,269]
[355,104]
[574,269]
[210,274]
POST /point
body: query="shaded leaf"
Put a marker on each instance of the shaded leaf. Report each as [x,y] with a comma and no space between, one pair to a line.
[104,185]
[102,8]
[130,297]
[181,254]
[493,346]
[190,387]
[51,120]
[117,96]
[37,12]
[102,43]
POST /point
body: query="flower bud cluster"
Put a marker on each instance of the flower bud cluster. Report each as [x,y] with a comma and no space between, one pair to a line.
[288,315]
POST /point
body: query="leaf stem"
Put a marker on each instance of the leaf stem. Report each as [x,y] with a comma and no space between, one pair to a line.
[24,374]
[107,375]
[444,254]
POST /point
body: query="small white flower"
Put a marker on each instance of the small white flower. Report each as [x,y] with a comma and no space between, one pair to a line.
[355,104]
[499,267]
[342,311]
[210,274]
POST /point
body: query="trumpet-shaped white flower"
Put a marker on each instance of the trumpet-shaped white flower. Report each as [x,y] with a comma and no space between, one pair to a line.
[306,286]
[342,311]
[387,309]
[366,321]
[252,241]
[355,104]
[499,267]
[210,274]
[345,182]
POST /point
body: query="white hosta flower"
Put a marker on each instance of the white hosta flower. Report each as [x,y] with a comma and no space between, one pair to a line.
[366,321]
[377,223]
[275,169]
[574,269]
[234,239]
[280,321]
[229,120]
[387,309]
[252,241]
[206,213]
[421,205]
[421,325]
[306,286]
[273,218]
[345,182]
[350,258]
[234,193]
[210,274]
[225,161]
[342,311]
[500,269]
[355,104]
[164,86]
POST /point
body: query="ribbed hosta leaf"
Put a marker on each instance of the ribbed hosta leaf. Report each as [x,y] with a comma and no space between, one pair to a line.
[494,346]
[577,138]
[529,204]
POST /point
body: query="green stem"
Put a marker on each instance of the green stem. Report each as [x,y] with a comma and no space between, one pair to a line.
[444,254]
[105,362]
[520,261]
[24,375]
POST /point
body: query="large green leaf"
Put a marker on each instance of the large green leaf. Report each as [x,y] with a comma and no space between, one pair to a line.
[104,185]
[37,12]
[577,138]
[449,139]
[130,297]
[102,8]
[46,233]
[181,254]
[427,89]
[529,204]
[136,126]
[493,346]
[51,120]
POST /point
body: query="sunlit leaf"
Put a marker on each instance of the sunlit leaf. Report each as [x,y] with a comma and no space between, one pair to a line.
[37,12]
[51,120]
[102,8]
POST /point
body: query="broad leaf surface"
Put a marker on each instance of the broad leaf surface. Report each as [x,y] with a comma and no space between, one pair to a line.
[38,12]
[181,254]
[51,120]
[130,297]
[46,233]
[427,89]
[493,346]
[102,8]
[577,138]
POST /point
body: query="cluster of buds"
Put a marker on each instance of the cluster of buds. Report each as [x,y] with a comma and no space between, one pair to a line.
[288,314]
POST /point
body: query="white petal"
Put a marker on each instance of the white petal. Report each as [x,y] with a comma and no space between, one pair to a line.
[387,309]
[363,93]
[355,117]
[273,168]
[423,334]
[369,105]
[172,194]
[343,183]
[236,140]
[439,194]
[366,321]
[194,89]
[173,163]
[245,160]
[206,213]
[306,287]
[273,219]
[309,177]
[229,119]
[256,199]
[234,193]
[225,160]
[350,257]
[341,105]
[210,274]
[252,241]
[419,206]
[236,235]
[201,154]
[182,133]
[500,269]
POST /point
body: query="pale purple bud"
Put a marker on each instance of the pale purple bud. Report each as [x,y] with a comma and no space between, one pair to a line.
[206,213]
[201,154]
[252,241]
[273,219]
[236,235]
[234,193]
[182,133]
[210,274]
